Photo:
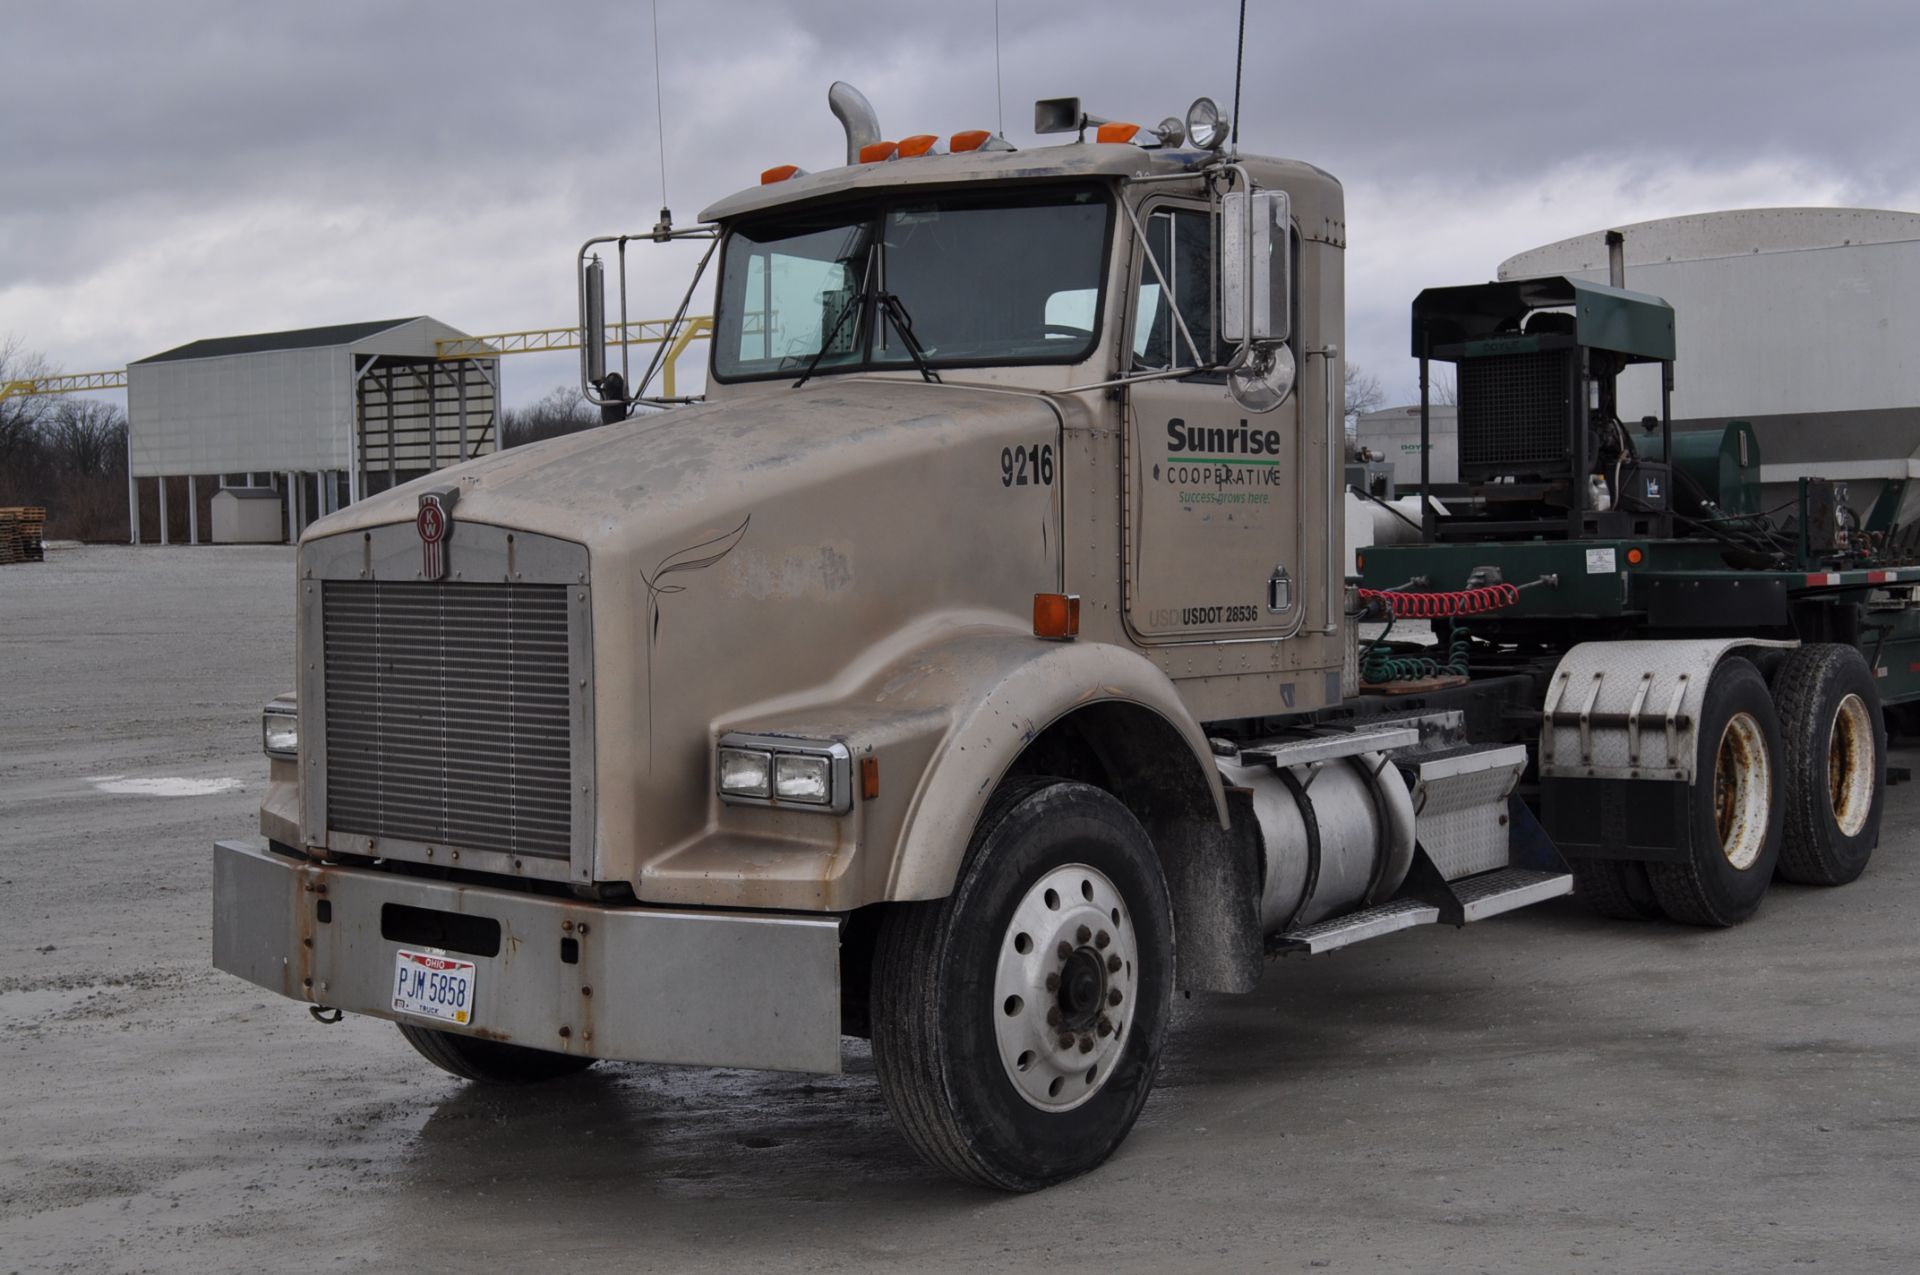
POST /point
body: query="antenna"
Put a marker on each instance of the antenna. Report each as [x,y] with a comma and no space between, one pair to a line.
[1239,62]
[660,116]
[999,92]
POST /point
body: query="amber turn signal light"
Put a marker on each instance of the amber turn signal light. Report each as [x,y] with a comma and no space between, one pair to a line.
[874,152]
[779,173]
[1116,132]
[1056,615]
[971,140]
[869,778]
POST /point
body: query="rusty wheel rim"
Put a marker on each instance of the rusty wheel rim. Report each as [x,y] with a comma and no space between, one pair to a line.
[1742,790]
[1851,765]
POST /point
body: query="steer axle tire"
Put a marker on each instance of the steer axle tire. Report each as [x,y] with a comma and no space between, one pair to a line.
[1737,807]
[1018,1022]
[490,1061]
[1835,753]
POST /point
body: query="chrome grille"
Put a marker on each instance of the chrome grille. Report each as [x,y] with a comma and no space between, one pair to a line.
[448,713]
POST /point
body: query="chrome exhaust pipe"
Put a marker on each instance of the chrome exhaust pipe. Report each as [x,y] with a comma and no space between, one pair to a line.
[855,113]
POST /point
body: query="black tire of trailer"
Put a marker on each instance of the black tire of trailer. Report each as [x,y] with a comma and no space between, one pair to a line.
[1616,888]
[491,1062]
[1709,888]
[934,1043]
[1830,707]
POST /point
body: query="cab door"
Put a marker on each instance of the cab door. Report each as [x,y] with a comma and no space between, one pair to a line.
[1213,533]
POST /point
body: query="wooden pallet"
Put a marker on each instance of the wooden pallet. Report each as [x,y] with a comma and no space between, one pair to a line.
[22,531]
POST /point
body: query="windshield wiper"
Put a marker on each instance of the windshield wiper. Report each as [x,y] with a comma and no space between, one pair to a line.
[813,363]
[896,312]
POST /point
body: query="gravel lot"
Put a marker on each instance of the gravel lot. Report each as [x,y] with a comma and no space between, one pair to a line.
[1542,1092]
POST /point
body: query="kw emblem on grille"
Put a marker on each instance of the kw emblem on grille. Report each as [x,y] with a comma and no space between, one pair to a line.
[435,524]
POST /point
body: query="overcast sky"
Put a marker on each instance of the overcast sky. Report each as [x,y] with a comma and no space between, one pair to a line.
[171,171]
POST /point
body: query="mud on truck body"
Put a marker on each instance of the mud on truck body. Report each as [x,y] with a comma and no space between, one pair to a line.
[975,666]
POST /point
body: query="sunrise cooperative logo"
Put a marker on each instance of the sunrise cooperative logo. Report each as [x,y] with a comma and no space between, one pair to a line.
[435,523]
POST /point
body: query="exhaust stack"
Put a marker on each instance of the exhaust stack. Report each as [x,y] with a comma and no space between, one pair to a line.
[855,113]
[1616,259]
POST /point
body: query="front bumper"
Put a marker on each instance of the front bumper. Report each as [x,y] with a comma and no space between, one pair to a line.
[641,984]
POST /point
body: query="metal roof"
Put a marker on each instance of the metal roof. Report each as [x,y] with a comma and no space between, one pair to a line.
[1630,323]
[294,339]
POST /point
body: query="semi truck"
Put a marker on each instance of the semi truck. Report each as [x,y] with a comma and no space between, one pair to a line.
[975,667]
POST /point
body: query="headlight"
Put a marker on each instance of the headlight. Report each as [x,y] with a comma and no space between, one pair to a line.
[772,770]
[744,773]
[803,777]
[280,729]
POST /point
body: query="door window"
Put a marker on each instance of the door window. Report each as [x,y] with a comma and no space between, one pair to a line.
[1182,242]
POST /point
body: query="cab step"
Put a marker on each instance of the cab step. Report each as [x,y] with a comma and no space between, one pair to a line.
[1369,923]
[1488,894]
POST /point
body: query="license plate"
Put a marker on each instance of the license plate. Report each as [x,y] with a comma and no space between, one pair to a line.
[433,986]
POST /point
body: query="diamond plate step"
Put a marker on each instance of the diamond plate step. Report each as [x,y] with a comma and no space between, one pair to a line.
[1505,889]
[1325,936]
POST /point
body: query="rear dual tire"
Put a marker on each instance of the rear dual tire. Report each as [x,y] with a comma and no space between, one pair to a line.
[1737,813]
[1836,748]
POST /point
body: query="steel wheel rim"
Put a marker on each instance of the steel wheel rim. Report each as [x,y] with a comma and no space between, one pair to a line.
[1851,765]
[1067,972]
[1742,790]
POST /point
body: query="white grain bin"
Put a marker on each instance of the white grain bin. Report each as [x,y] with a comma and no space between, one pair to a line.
[1804,321]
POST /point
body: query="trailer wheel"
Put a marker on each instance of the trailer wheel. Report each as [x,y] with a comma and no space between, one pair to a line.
[1616,888]
[490,1061]
[1835,756]
[1018,1022]
[1738,807]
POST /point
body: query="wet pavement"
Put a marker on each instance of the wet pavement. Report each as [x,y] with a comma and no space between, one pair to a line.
[1544,1091]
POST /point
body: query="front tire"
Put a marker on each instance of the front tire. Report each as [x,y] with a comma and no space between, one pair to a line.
[490,1061]
[1018,1022]
[1836,759]
[1737,807]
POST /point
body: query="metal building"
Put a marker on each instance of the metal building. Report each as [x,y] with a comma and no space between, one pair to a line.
[322,416]
[1804,321]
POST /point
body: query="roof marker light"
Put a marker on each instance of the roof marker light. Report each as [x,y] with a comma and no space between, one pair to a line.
[971,140]
[1116,132]
[918,144]
[780,173]
[874,152]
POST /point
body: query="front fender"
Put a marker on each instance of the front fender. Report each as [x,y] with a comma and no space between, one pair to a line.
[1004,690]
[942,722]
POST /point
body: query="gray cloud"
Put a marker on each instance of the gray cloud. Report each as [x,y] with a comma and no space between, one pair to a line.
[187,169]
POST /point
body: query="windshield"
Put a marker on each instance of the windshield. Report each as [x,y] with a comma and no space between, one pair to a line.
[983,280]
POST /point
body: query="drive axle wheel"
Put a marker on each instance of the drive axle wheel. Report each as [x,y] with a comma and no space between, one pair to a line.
[1736,811]
[1835,752]
[1018,1022]
[1616,888]
[490,1061]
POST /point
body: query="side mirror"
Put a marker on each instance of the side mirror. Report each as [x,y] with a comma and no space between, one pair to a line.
[1256,258]
[593,322]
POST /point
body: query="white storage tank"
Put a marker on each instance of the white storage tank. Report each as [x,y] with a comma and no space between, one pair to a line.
[1804,321]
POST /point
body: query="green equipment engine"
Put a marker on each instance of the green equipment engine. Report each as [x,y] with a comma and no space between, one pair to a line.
[1543,449]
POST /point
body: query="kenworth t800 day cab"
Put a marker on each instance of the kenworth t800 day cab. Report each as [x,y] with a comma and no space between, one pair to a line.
[975,666]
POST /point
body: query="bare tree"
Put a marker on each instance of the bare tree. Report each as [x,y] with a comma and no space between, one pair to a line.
[85,438]
[1364,393]
[1441,388]
[561,410]
[21,414]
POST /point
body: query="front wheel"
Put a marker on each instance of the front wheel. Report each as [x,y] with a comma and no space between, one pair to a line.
[490,1061]
[1018,1022]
